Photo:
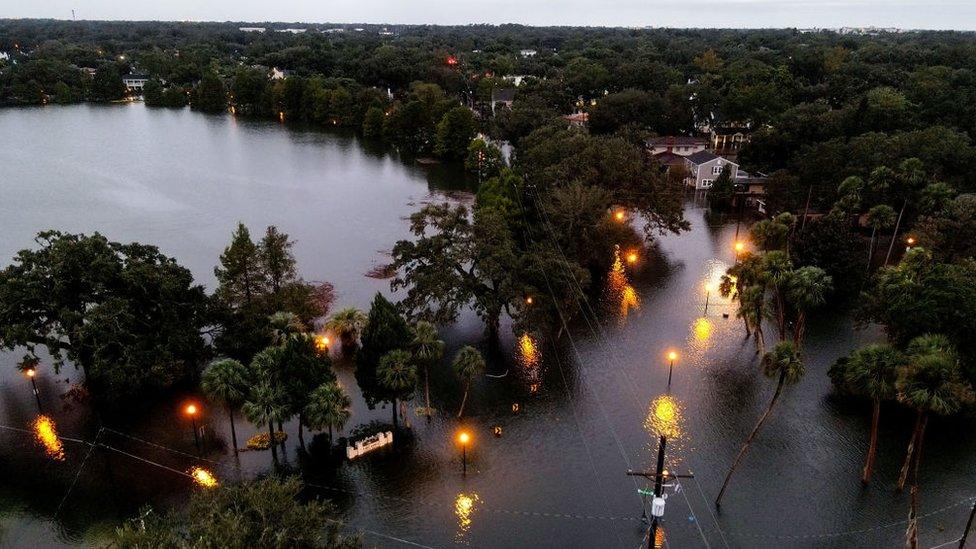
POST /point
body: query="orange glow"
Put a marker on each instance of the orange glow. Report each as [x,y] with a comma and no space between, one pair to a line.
[451,60]
[528,300]
[464,437]
[664,417]
[619,216]
[709,287]
[528,353]
[672,356]
[30,372]
[322,343]
[46,434]
[281,116]
[911,241]
[203,477]
[191,410]
[702,329]
[632,257]
[739,247]
[464,508]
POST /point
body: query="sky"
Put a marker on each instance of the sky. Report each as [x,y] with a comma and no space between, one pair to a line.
[907,14]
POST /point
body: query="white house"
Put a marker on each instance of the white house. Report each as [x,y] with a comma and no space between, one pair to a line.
[527,53]
[135,82]
[705,167]
[251,29]
[680,145]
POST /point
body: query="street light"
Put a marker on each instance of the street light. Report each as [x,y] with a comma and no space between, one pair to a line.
[464,438]
[738,248]
[528,300]
[708,293]
[632,257]
[619,215]
[30,373]
[672,356]
[191,411]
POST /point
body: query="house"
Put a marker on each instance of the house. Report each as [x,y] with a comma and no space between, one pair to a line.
[528,53]
[135,82]
[251,29]
[503,96]
[668,159]
[705,167]
[291,31]
[680,145]
[729,138]
[279,74]
[577,119]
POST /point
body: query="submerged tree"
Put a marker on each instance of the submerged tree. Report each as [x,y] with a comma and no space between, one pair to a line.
[385,331]
[347,324]
[428,349]
[785,365]
[328,407]
[398,375]
[468,363]
[870,371]
[227,382]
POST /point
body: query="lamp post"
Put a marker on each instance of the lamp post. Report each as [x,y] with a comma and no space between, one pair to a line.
[191,410]
[708,294]
[737,250]
[464,438]
[30,373]
[672,356]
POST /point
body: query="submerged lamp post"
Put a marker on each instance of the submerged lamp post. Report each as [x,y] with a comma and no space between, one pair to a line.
[30,373]
[708,294]
[672,356]
[464,438]
[191,411]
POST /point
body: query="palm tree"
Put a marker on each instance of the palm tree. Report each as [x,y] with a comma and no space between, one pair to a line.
[284,324]
[264,406]
[328,407]
[227,381]
[784,364]
[398,374]
[872,371]
[880,217]
[777,269]
[806,288]
[347,324]
[753,309]
[931,382]
[467,363]
[428,349]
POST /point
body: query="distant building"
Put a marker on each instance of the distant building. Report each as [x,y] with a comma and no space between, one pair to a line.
[528,53]
[251,29]
[517,79]
[135,82]
[279,74]
[386,32]
[705,167]
[292,31]
[680,145]
[503,96]
[729,138]
[334,31]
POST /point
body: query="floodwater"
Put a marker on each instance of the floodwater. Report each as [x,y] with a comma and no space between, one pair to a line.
[574,414]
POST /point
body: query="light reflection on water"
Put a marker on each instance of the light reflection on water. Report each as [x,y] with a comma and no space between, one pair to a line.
[46,434]
[464,508]
[619,294]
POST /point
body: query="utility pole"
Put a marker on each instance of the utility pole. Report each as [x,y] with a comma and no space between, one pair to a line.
[969,524]
[659,476]
[806,209]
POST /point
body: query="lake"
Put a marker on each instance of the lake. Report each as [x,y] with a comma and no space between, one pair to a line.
[575,413]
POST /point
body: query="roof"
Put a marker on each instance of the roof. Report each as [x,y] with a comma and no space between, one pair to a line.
[675,140]
[668,159]
[701,157]
[504,94]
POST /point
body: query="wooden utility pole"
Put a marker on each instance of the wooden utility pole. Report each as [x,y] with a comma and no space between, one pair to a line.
[969,524]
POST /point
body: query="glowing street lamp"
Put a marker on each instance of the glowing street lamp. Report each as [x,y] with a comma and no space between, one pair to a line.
[619,215]
[632,257]
[672,356]
[322,343]
[910,241]
[191,411]
[464,438]
[528,300]
[708,293]
[738,248]
[31,373]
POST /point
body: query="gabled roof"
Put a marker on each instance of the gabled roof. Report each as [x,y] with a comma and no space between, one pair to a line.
[668,159]
[701,157]
[676,140]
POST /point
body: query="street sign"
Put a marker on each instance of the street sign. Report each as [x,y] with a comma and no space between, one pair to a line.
[645,491]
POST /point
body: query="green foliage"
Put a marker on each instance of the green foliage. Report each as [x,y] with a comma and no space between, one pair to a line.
[950,234]
[483,159]
[263,513]
[722,191]
[931,380]
[107,84]
[127,315]
[226,381]
[209,95]
[373,123]
[454,133]
[832,245]
[385,331]
[347,324]
[783,362]
[328,407]
[397,373]
[870,371]
[468,363]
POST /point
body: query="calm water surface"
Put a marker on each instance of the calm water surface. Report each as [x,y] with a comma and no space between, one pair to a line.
[586,402]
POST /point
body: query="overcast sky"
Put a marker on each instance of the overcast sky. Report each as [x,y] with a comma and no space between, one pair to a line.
[934,14]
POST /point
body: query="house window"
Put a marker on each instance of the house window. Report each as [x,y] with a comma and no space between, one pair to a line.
[706,183]
[717,169]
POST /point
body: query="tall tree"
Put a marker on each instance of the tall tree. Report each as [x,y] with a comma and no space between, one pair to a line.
[454,133]
[347,324]
[385,331]
[265,405]
[428,349]
[127,315]
[785,365]
[227,382]
[398,375]
[328,407]
[209,95]
[468,363]
[870,371]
